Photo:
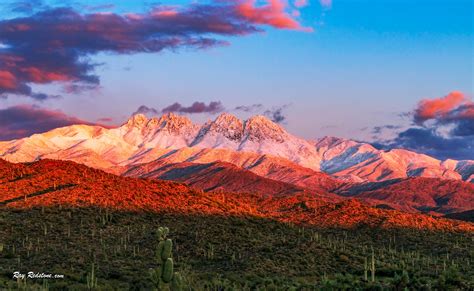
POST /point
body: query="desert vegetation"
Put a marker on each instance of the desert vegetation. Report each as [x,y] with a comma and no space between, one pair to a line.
[99,231]
[102,249]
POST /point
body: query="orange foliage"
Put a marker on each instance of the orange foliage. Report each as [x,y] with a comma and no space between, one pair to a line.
[50,182]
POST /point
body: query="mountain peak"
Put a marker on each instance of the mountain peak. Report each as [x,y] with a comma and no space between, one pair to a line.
[226,118]
[137,120]
[260,127]
[228,125]
[174,123]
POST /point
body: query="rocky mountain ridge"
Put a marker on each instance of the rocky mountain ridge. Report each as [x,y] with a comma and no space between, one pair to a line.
[141,139]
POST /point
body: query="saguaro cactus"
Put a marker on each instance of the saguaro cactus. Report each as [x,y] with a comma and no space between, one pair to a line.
[91,279]
[365,268]
[372,267]
[164,277]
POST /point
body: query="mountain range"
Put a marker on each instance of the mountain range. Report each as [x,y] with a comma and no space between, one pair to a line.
[257,155]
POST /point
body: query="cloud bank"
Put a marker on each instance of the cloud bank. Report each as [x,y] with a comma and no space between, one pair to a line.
[442,127]
[24,120]
[277,114]
[55,44]
[196,107]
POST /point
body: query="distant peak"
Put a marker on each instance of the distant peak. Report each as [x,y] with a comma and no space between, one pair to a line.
[226,117]
[260,119]
[173,118]
[260,127]
[136,120]
[170,115]
[228,125]
[174,123]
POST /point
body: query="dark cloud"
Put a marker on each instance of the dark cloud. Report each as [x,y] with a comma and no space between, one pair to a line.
[196,107]
[143,109]
[379,129]
[442,127]
[54,44]
[430,142]
[455,112]
[249,108]
[277,114]
[24,120]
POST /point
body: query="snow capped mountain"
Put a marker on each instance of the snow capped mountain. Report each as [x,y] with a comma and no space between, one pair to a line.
[351,160]
[224,132]
[256,144]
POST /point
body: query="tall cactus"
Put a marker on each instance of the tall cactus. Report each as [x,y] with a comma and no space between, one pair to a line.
[372,267]
[91,279]
[164,277]
[365,268]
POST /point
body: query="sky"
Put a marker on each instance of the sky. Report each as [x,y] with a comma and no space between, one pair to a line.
[361,69]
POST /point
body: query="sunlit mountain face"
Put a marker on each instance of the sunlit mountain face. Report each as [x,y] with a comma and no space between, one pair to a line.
[236,145]
[248,144]
[256,156]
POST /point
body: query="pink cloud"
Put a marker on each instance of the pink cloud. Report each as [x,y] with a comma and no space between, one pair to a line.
[7,80]
[272,14]
[54,45]
[453,103]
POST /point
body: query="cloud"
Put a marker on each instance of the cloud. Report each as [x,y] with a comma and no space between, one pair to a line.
[249,108]
[55,44]
[454,105]
[429,141]
[24,120]
[196,107]
[143,109]
[277,114]
[272,14]
[453,112]
[380,129]
[442,127]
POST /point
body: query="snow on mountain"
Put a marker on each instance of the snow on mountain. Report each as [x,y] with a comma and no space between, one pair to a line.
[258,135]
[349,159]
[229,139]
[224,132]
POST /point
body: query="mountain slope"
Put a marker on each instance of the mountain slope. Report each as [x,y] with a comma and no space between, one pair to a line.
[49,182]
[216,176]
[434,196]
[141,140]
[263,165]
[416,194]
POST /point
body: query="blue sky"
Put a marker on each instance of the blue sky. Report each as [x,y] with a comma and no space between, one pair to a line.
[366,62]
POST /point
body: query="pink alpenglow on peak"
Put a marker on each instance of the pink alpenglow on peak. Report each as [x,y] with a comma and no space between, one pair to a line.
[141,139]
